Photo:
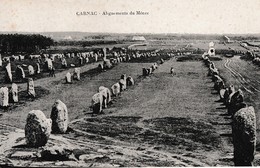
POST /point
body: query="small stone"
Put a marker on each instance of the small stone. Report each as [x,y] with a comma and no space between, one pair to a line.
[102,151]
[23,155]
[57,153]
[70,163]
[86,157]
[58,163]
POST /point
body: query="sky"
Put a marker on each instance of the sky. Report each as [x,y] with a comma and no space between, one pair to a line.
[164,16]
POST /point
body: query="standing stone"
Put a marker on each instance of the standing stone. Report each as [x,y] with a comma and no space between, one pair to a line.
[145,72]
[244,136]
[106,93]
[49,64]
[87,59]
[64,63]
[100,67]
[4,97]
[129,81]
[96,57]
[162,61]
[14,92]
[107,64]
[1,61]
[8,73]
[31,70]
[97,103]
[115,88]
[19,73]
[104,53]
[68,77]
[30,88]
[59,117]
[211,51]
[222,94]
[38,70]
[118,59]
[80,61]
[236,102]
[76,74]
[122,83]
[37,129]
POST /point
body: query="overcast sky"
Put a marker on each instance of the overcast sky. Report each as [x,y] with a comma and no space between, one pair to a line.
[165,16]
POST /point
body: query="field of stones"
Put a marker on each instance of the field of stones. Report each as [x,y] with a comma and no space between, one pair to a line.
[164,106]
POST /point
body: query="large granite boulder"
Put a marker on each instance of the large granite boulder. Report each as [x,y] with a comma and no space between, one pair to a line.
[37,128]
[244,136]
[59,117]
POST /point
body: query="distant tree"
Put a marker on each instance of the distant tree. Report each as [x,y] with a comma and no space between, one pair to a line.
[17,43]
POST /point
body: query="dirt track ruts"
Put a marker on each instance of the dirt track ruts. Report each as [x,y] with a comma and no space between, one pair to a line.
[239,77]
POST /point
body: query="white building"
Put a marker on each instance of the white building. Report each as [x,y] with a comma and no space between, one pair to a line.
[138,38]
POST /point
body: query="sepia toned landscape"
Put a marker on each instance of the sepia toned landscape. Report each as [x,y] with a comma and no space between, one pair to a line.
[172,115]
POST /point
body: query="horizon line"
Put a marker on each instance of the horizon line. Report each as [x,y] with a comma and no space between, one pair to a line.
[152,33]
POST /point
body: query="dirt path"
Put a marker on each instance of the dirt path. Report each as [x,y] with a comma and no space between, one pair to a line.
[244,83]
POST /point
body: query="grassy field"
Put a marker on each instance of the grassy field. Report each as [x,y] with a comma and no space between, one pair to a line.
[163,120]
[175,114]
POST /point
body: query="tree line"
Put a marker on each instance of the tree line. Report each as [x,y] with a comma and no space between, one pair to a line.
[86,43]
[21,43]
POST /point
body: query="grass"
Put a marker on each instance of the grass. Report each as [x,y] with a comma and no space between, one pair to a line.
[177,113]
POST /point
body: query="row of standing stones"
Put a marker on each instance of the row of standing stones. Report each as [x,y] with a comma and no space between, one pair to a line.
[38,128]
[243,118]
[8,95]
[11,94]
